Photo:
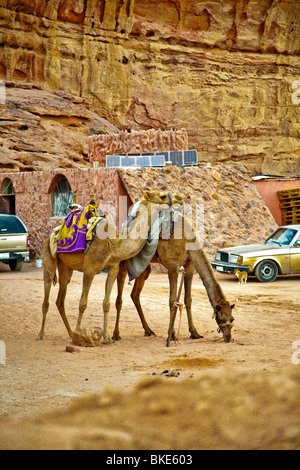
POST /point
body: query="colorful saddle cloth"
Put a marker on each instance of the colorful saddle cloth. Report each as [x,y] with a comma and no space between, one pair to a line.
[71,237]
[76,229]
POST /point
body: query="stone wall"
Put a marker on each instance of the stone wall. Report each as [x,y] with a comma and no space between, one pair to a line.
[32,198]
[226,71]
[153,140]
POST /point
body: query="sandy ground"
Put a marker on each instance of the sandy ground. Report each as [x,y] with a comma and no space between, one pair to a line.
[43,376]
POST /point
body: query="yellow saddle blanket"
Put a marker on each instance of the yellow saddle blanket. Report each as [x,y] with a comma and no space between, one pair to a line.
[91,224]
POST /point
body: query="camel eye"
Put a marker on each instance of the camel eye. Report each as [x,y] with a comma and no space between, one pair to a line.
[164,197]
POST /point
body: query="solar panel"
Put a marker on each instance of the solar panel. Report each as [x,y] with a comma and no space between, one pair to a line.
[166,155]
[131,161]
[176,157]
[143,160]
[113,160]
[158,160]
[128,161]
[190,157]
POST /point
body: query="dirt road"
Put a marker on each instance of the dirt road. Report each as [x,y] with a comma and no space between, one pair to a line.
[41,375]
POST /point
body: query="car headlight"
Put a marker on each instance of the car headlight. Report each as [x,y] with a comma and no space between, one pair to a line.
[218,256]
[236,259]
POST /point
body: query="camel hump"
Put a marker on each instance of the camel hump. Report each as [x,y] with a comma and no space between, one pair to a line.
[162,197]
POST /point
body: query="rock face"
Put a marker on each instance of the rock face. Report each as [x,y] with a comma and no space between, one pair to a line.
[44,130]
[226,71]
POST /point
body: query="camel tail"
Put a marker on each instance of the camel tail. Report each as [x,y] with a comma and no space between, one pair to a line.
[49,264]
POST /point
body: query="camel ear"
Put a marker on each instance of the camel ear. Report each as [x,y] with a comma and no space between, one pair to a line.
[147,195]
[232,306]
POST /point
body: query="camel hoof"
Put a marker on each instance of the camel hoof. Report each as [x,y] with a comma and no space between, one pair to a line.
[40,337]
[116,337]
[149,333]
[195,335]
[108,340]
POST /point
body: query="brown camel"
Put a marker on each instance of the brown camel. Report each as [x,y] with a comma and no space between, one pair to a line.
[107,250]
[173,254]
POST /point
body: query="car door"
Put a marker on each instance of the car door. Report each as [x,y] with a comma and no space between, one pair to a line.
[295,256]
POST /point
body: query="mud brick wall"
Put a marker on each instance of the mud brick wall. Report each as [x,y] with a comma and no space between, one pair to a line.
[153,140]
[32,197]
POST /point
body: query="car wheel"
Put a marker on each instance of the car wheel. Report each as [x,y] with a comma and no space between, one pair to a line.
[266,271]
[16,264]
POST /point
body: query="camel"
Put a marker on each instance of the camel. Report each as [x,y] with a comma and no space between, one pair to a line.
[173,254]
[105,251]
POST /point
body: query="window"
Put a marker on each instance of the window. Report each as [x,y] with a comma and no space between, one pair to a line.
[10,224]
[7,197]
[7,187]
[61,197]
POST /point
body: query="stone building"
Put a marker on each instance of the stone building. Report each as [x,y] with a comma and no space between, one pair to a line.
[41,198]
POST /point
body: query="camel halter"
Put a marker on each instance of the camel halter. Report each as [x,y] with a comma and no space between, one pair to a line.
[224,324]
[227,323]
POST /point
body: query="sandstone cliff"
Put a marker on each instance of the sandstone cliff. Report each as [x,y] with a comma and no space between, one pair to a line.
[226,70]
[44,130]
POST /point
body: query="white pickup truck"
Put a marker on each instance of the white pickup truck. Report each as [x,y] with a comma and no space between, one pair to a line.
[14,241]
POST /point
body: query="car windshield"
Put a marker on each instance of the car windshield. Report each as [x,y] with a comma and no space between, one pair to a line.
[282,236]
[10,224]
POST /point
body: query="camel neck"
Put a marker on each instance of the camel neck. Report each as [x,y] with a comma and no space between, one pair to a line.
[205,271]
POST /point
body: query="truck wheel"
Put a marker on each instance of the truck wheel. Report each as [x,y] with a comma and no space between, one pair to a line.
[16,264]
[266,271]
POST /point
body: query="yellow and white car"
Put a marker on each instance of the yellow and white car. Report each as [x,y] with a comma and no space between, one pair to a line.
[279,254]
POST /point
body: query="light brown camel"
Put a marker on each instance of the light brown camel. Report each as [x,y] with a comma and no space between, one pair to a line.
[173,254]
[106,251]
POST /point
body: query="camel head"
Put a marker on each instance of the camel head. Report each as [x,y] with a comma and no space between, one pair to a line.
[224,318]
[163,198]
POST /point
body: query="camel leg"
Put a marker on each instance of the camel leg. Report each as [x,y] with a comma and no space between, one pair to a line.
[173,281]
[65,274]
[120,280]
[86,285]
[188,279]
[49,275]
[135,295]
[111,277]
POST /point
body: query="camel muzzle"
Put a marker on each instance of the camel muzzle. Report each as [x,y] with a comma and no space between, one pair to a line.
[226,328]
